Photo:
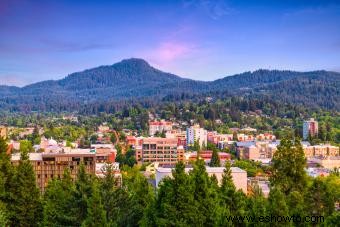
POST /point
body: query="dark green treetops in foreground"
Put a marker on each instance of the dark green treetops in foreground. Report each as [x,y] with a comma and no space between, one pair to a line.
[186,199]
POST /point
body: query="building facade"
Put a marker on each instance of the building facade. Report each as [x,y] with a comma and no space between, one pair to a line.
[159,126]
[239,176]
[52,165]
[165,151]
[310,128]
[196,133]
[3,132]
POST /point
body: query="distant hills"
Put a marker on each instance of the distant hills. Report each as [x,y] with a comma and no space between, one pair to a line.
[133,79]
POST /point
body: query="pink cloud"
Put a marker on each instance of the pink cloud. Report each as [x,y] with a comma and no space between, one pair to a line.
[169,52]
[12,80]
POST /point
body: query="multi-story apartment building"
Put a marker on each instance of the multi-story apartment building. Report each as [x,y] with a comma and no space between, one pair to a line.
[206,156]
[256,150]
[159,126]
[52,165]
[215,138]
[326,150]
[3,132]
[196,133]
[165,151]
[310,128]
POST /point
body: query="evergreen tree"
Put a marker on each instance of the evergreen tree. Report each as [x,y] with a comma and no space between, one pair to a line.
[288,171]
[205,196]
[59,202]
[320,198]
[3,215]
[215,159]
[257,206]
[96,215]
[277,206]
[83,192]
[108,193]
[175,205]
[296,204]
[6,173]
[26,203]
[140,195]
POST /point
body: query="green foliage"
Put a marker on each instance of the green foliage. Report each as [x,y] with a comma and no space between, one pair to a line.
[58,198]
[215,159]
[288,167]
[25,206]
[253,168]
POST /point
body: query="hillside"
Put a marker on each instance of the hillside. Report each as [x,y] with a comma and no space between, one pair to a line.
[135,79]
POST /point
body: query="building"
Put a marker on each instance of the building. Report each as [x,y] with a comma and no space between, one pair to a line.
[165,151]
[206,156]
[326,162]
[3,132]
[105,153]
[159,126]
[52,165]
[256,150]
[321,151]
[216,138]
[239,176]
[103,128]
[310,128]
[196,133]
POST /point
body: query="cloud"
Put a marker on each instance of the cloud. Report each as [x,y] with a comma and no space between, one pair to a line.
[12,80]
[215,9]
[170,50]
[69,46]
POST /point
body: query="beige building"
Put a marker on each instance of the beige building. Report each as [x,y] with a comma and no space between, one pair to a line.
[256,150]
[3,132]
[165,151]
[159,126]
[239,176]
[321,150]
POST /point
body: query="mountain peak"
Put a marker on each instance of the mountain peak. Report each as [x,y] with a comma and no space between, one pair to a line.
[134,62]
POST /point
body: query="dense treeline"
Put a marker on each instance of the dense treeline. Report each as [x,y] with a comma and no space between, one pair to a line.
[134,80]
[193,199]
[219,115]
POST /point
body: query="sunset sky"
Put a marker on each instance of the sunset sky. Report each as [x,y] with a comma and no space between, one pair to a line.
[198,39]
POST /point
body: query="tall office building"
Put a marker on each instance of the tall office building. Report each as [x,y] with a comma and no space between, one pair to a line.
[310,128]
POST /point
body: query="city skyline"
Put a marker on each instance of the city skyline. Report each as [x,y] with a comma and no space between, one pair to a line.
[202,40]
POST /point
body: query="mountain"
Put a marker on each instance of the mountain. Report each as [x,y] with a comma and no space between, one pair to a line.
[134,79]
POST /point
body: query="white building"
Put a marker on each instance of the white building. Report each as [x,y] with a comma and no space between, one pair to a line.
[239,175]
[195,133]
[310,127]
[159,126]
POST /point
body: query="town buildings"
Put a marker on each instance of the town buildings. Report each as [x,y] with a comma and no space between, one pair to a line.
[165,151]
[3,132]
[159,126]
[196,133]
[52,165]
[310,128]
[206,156]
[239,176]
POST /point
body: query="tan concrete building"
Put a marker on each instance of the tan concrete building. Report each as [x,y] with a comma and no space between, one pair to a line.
[321,150]
[165,151]
[3,132]
[239,176]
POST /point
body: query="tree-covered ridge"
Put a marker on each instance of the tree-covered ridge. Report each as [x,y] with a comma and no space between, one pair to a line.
[133,79]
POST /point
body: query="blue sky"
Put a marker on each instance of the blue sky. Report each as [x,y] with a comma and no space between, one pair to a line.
[198,39]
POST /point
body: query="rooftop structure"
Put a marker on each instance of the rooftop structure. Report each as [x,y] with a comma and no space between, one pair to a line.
[239,176]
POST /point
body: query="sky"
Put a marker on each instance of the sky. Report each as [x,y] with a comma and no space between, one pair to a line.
[197,39]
